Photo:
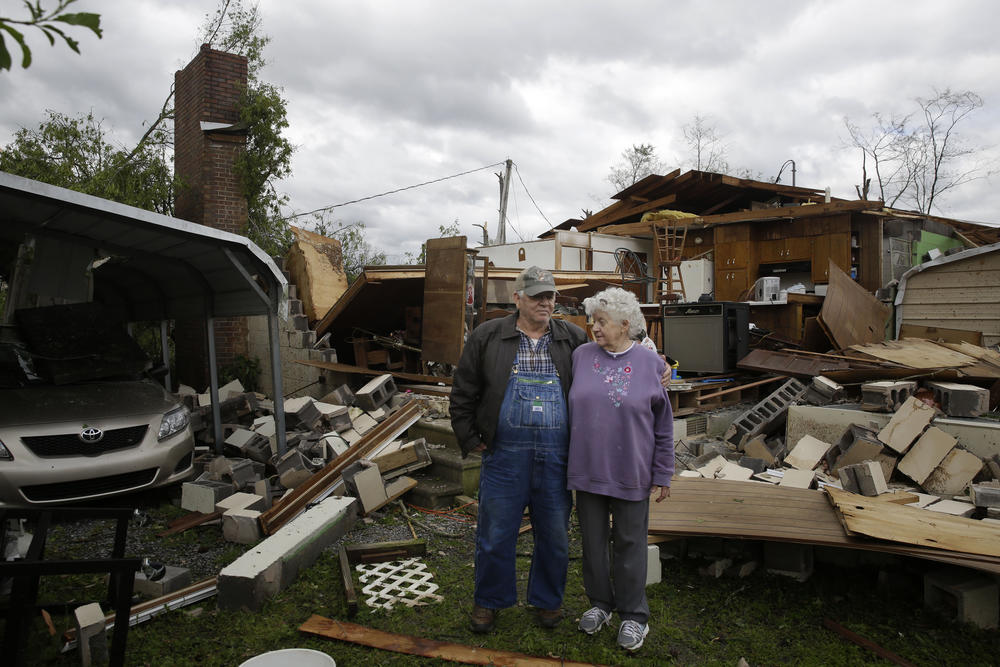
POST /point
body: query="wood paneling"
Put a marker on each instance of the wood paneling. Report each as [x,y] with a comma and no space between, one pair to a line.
[444,300]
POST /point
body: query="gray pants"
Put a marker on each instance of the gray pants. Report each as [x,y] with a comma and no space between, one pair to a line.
[619,585]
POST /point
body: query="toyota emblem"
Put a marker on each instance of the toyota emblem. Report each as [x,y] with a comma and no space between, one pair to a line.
[91,434]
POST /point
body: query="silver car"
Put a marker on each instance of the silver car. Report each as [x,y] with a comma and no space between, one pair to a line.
[71,442]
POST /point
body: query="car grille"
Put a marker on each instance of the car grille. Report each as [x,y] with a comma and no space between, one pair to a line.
[88,487]
[69,444]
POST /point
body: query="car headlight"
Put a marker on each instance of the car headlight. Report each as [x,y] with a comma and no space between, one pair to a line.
[172,422]
[5,454]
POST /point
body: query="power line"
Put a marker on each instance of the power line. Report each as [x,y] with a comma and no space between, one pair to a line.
[529,195]
[391,192]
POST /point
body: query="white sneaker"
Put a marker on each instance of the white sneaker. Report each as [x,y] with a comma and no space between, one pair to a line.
[632,634]
[593,620]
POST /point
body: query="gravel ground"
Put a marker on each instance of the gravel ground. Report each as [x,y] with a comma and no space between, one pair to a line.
[203,549]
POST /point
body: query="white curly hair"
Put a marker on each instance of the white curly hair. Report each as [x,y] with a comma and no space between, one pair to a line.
[620,305]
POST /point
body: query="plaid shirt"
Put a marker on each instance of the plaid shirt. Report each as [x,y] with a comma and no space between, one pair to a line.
[535,358]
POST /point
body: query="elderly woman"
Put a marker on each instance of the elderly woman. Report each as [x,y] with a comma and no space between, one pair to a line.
[621,451]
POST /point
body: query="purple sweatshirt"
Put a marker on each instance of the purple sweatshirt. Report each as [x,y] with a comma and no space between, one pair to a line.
[621,441]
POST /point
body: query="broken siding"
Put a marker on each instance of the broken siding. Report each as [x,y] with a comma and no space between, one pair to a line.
[961,294]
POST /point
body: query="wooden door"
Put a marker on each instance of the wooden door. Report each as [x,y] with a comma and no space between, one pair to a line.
[445,295]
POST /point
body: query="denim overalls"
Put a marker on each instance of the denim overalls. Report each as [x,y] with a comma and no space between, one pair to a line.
[527,468]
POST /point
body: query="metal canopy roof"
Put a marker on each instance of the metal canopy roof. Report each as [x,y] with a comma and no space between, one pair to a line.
[161,267]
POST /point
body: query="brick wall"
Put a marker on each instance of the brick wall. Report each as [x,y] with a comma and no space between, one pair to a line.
[209,90]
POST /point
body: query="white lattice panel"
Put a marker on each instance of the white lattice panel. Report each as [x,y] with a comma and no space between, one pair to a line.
[406,581]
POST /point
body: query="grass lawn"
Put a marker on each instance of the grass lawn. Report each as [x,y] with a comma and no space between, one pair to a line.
[695,619]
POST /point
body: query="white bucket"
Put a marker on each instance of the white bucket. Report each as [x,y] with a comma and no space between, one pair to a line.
[299,657]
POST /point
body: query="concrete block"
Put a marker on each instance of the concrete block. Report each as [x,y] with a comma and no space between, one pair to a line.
[350,436]
[302,412]
[716,568]
[249,444]
[293,459]
[241,501]
[756,465]
[230,390]
[263,488]
[906,425]
[789,560]
[768,415]
[921,460]
[272,565]
[364,481]
[654,569]
[334,414]
[241,526]
[241,472]
[202,496]
[689,473]
[396,401]
[986,494]
[968,597]
[954,473]
[923,500]
[960,400]
[757,447]
[301,340]
[712,446]
[378,414]
[91,635]
[863,478]
[298,323]
[733,471]
[376,393]
[709,467]
[174,579]
[807,453]
[363,423]
[342,395]
[336,444]
[887,396]
[293,478]
[952,507]
[295,306]
[823,390]
[798,479]
[450,466]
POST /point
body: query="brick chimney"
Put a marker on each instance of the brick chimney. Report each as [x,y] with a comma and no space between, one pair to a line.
[208,91]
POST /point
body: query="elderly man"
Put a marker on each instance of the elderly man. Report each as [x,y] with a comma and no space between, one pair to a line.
[508,401]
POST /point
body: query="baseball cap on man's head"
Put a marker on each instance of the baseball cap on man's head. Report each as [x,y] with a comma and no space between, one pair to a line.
[534,280]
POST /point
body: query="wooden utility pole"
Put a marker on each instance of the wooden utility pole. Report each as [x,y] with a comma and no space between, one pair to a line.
[504,189]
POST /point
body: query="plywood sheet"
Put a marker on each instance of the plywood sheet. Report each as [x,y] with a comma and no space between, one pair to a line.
[916,353]
[851,314]
[945,334]
[915,526]
[444,300]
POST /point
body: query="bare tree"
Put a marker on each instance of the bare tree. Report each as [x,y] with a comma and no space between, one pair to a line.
[638,162]
[705,145]
[918,164]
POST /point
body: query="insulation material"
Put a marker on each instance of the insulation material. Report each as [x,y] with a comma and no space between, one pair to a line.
[316,267]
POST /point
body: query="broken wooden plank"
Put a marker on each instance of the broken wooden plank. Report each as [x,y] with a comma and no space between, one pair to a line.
[187,521]
[428,648]
[789,364]
[851,315]
[916,353]
[740,387]
[348,368]
[866,643]
[379,552]
[348,580]
[910,525]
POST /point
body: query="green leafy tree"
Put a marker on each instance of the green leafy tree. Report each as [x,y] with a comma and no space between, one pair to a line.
[51,22]
[76,153]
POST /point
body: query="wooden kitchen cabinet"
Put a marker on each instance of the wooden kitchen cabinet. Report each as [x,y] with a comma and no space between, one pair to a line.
[824,248]
[792,249]
[730,284]
[731,255]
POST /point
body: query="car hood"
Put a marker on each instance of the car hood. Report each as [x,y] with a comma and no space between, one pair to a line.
[93,400]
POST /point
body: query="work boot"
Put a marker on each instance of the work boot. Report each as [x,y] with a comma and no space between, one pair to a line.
[548,618]
[482,619]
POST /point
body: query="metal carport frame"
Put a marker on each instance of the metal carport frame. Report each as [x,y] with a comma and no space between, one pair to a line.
[163,268]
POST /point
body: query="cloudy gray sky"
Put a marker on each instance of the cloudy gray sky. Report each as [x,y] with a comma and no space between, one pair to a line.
[383,95]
